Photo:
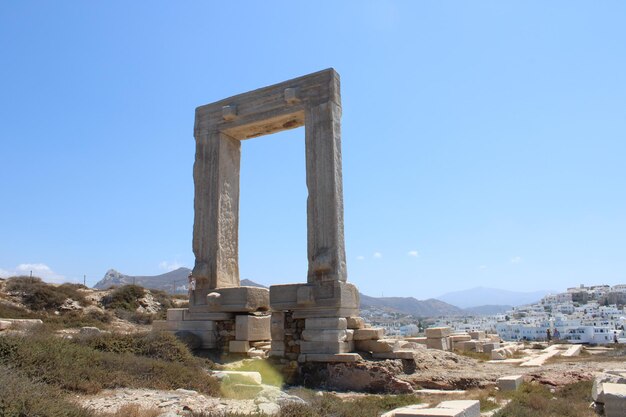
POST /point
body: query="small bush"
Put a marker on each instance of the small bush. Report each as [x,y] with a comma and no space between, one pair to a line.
[10,311]
[23,397]
[163,346]
[124,298]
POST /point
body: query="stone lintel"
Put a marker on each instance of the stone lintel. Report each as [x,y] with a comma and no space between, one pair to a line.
[330,357]
[269,109]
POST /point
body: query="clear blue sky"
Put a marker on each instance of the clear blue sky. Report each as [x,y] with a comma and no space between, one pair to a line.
[484,143]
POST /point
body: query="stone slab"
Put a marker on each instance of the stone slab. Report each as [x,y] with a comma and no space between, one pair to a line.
[429,412]
[325,335]
[470,408]
[252,328]
[510,383]
[324,312]
[372,333]
[419,340]
[239,377]
[438,332]
[614,397]
[317,296]
[572,351]
[198,316]
[337,357]
[468,346]
[323,323]
[489,346]
[375,346]
[238,346]
[326,347]
[239,299]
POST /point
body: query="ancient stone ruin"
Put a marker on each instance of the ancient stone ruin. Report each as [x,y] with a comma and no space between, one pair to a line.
[316,321]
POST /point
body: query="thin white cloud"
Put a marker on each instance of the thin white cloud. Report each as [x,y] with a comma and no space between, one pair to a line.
[360,258]
[170,266]
[39,270]
[516,259]
[378,255]
[413,253]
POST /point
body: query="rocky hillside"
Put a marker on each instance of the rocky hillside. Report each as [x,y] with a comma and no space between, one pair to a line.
[410,305]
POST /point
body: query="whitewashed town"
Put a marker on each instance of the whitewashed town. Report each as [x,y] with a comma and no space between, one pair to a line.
[582,315]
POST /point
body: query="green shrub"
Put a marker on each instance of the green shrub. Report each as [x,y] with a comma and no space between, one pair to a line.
[23,397]
[39,296]
[78,367]
[124,298]
[134,316]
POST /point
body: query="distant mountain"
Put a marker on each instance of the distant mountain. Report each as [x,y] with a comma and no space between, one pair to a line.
[487,310]
[481,296]
[410,305]
[173,282]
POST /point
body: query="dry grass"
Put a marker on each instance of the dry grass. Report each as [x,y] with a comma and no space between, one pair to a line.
[536,400]
[76,366]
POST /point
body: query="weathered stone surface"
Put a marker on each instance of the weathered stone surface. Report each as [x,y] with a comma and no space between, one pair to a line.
[252,328]
[205,315]
[438,332]
[419,340]
[471,408]
[193,341]
[510,383]
[429,412]
[326,347]
[375,346]
[372,333]
[489,346]
[396,354]
[320,323]
[470,346]
[614,399]
[176,314]
[323,295]
[325,335]
[238,346]
[5,324]
[355,322]
[90,331]
[277,326]
[361,376]
[329,357]
[477,335]
[239,299]
[239,377]
[614,377]
[440,344]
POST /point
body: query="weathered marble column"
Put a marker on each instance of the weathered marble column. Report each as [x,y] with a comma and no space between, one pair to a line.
[326,249]
[216,211]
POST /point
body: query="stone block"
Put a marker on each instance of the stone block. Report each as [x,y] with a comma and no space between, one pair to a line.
[277,326]
[439,344]
[510,383]
[470,408]
[438,332]
[193,326]
[324,323]
[252,328]
[238,346]
[468,346]
[355,322]
[375,346]
[398,354]
[325,335]
[322,295]
[239,377]
[239,299]
[477,335]
[372,333]
[337,357]
[324,312]
[326,347]
[350,335]
[176,314]
[489,346]
[208,337]
[614,397]
[498,354]
[428,412]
